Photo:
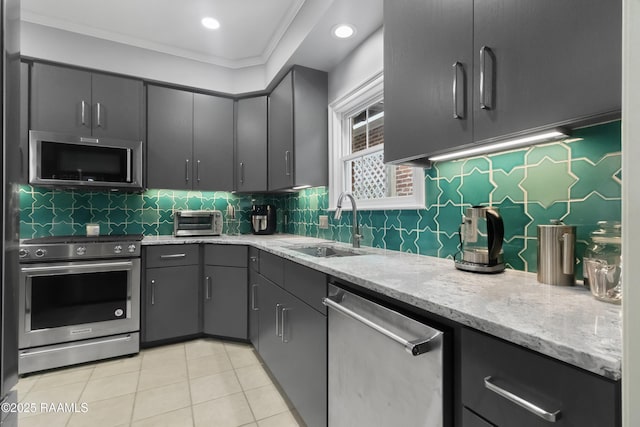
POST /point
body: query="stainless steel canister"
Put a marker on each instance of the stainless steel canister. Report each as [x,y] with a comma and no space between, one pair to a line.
[556,254]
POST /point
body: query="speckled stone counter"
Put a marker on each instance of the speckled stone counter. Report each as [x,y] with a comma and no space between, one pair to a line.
[565,323]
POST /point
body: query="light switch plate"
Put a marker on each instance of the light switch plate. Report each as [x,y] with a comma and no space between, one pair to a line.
[323,221]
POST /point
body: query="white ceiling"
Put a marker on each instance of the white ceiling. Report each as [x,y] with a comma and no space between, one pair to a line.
[250,32]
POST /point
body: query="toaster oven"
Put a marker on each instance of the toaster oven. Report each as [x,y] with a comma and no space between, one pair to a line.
[197,223]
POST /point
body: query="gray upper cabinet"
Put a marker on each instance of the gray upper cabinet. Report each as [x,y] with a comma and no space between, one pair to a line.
[469,72]
[23,177]
[169,138]
[298,130]
[83,103]
[550,62]
[251,144]
[427,47]
[190,140]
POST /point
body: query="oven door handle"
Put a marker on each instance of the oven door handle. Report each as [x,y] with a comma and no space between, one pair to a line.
[90,266]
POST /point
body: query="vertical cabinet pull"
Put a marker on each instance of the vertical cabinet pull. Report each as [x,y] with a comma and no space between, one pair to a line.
[186,170]
[198,170]
[241,172]
[486,78]
[254,297]
[153,292]
[99,114]
[207,288]
[83,113]
[287,163]
[278,307]
[283,323]
[457,67]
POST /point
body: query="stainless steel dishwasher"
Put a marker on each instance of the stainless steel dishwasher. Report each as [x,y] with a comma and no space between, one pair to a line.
[385,369]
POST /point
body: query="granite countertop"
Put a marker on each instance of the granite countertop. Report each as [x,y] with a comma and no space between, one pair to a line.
[565,323]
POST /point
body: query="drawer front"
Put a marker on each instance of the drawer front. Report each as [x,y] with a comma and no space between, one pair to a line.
[491,368]
[469,419]
[172,255]
[254,259]
[272,267]
[307,284]
[225,255]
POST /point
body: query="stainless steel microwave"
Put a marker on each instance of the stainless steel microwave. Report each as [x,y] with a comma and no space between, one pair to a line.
[84,162]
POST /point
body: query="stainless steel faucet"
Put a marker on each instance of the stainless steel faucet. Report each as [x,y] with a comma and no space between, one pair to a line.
[355,228]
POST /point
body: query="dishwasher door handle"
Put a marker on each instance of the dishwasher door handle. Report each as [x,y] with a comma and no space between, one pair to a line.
[414,347]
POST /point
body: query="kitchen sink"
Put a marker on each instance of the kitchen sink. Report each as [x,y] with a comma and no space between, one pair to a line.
[326,251]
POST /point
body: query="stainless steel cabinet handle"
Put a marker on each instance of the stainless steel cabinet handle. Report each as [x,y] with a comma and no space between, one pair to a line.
[531,407]
[173,256]
[456,67]
[287,162]
[278,307]
[415,347]
[99,114]
[484,52]
[186,170]
[241,172]
[254,297]
[153,292]
[284,324]
[83,112]
[207,288]
[198,170]
[254,259]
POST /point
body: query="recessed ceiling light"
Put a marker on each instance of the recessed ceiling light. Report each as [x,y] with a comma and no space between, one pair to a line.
[343,31]
[210,23]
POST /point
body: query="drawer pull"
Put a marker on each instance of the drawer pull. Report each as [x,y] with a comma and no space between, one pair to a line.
[533,408]
[172,256]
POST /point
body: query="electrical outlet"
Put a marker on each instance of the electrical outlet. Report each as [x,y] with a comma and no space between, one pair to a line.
[323,221]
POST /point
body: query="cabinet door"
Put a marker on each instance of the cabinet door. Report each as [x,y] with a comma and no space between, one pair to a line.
[251,144]
[169,138]
[281,135]
[60,100]
[171,295]
[427,47]
[23,177]
[269,303]
[225,301]
[549,62]
[304,348]
[117,107]
[212,143]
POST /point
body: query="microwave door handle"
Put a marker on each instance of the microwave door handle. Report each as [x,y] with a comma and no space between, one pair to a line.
[129,156]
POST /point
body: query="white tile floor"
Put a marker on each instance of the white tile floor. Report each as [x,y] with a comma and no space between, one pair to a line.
[204,382]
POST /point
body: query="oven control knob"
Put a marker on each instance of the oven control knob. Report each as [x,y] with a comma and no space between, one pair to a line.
[23,253]
[41,252]
[131,248]
[117,249]
[81,250]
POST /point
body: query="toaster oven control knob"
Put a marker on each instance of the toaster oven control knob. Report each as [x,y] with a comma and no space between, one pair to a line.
[23,253]
[131,248]
[81,250]
[117,249]
[41,252]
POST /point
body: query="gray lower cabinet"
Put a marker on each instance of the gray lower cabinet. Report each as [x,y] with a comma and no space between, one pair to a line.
[297,153]
[494,374]
[225,291]
[251,144]
[190,140]
[84,103]
[293,344]
[171,292]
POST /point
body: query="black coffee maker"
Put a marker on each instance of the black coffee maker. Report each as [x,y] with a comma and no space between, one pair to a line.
[263,219]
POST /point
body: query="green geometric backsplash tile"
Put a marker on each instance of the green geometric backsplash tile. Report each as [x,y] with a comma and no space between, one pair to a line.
[577,181]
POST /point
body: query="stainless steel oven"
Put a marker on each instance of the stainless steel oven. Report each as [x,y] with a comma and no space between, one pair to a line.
[79,301]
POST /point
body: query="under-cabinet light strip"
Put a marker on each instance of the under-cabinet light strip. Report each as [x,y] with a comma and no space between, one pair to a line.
[489,148]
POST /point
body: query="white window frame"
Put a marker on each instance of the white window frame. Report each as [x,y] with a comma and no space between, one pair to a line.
[363,96]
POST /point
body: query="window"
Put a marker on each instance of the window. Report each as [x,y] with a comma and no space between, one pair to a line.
[357,155]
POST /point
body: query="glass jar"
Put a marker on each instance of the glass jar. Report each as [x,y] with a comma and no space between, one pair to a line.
[602,262]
